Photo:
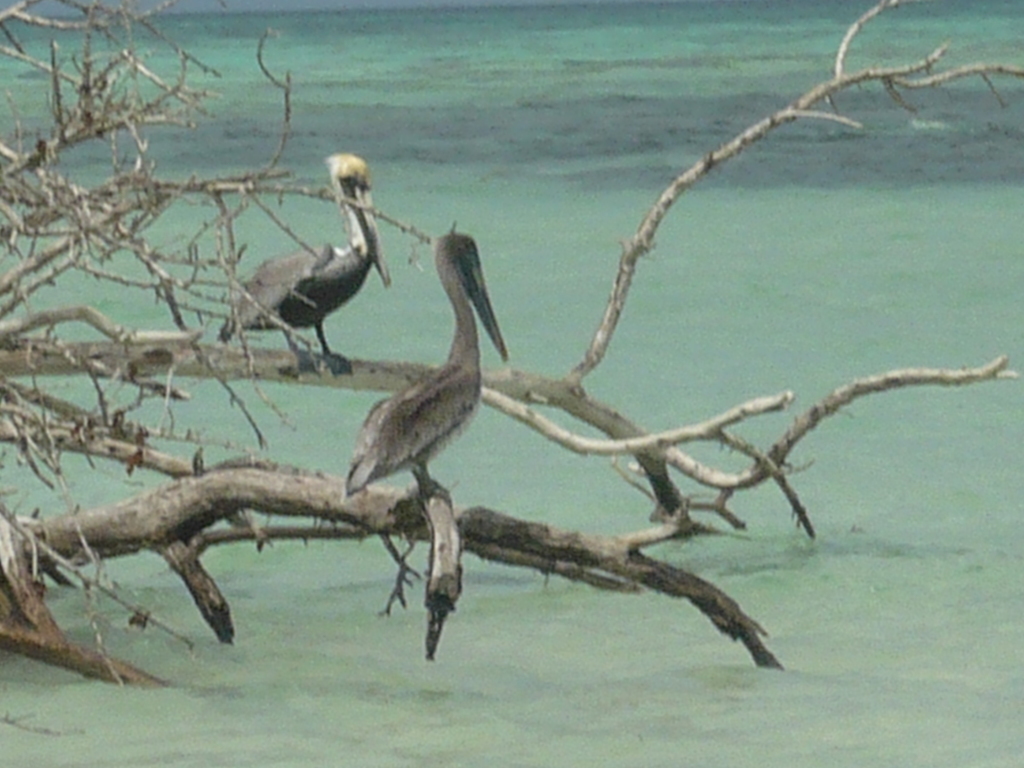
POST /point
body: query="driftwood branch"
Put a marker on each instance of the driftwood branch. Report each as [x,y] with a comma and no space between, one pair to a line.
[444,577]
[706,430]
[642,241]
[855,28]
[507,390]
[184,561]
[161,518]
[97,320]
[51,226]
[28,628]
[492,535]
[907,377]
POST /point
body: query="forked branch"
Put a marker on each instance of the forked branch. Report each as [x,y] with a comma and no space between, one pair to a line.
[51,225]
[643,240]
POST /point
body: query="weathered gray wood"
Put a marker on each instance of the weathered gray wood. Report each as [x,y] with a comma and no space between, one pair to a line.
[487,531]
[27,627]
[204,590]
[444,580]
[160,517]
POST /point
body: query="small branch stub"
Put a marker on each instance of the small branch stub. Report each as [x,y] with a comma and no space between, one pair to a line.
[444,580]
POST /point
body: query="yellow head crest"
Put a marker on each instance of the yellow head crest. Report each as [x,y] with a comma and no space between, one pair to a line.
[346,166]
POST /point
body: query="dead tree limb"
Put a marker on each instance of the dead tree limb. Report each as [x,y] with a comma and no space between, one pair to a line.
[52,225]
[492,535]
[515,393]
[161,518]
[444,577]
[184,561]
[642,242]
[907,377]
[27,627]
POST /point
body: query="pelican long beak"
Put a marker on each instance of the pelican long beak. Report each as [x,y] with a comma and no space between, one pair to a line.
[364,223]
[350,178]
[471,276]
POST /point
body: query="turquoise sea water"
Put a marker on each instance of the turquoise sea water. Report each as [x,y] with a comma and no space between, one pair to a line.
[820,255]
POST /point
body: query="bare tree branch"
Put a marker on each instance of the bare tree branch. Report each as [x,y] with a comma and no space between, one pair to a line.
[53,225]
[97,320]
[706,430]
[643,240]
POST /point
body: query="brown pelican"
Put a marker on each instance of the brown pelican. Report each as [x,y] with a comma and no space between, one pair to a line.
[407,430]
[303,288]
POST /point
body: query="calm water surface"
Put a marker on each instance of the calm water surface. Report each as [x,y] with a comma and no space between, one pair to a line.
[822,255]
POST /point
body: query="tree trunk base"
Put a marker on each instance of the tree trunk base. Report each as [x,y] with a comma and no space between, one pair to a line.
[27,627]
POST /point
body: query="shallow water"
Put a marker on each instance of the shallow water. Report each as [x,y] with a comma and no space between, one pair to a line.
[822,255]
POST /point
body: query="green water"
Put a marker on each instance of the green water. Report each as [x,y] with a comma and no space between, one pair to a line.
[820,256]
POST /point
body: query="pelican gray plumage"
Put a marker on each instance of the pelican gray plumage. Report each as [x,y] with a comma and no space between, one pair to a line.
[408,429]
[302,288]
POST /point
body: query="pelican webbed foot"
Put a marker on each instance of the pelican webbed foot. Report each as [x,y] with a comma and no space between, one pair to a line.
[332,362]
[405,572]
[338,365]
